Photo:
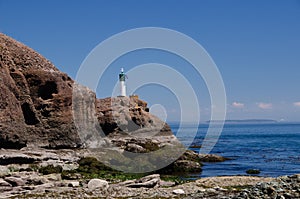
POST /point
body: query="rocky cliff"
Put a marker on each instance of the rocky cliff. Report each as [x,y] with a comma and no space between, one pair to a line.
[35,100]
[36,105]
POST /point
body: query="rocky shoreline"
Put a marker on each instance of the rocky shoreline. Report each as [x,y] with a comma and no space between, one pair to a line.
[238,187]
[25,179]
[51,186]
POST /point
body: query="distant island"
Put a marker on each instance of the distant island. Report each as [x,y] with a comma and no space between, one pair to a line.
[245,121]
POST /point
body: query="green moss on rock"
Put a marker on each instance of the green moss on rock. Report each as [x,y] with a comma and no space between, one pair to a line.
[50,169]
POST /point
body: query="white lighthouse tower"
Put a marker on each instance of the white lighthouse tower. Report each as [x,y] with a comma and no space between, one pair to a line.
[122,77]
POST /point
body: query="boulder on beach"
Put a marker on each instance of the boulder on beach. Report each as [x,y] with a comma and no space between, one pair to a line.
[97,184]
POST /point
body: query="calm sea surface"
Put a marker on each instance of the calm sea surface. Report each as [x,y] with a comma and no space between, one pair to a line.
[274,148]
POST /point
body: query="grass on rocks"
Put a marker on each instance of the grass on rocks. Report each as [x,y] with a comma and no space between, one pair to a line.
[50,169]
[90,167]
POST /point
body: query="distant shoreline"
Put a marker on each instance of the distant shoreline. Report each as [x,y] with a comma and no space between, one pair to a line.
[237,122]
[244,121]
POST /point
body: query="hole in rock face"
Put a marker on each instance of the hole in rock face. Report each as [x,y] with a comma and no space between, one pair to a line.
[134,119]
[29,115]
[45,91]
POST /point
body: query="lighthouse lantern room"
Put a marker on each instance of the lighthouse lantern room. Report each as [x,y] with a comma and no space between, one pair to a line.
[122,78]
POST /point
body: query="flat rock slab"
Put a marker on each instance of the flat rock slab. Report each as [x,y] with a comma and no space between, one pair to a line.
[149,181]
[5,186]
[14,181]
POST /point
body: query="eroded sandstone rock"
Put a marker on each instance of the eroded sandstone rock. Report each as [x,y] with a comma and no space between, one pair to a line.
[35,100]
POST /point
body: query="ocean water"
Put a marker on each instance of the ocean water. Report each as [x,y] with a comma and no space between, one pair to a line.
[273,148]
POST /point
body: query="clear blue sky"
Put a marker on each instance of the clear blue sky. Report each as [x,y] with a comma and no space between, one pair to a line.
[254,43]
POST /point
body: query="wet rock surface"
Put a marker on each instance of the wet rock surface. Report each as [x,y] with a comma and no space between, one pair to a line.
[212,158]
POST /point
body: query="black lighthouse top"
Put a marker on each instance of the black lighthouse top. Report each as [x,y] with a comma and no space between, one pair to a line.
[122,75]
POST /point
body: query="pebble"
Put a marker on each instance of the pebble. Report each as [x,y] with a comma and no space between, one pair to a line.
[201,190]
[178,191]
[211,190]
[74,184]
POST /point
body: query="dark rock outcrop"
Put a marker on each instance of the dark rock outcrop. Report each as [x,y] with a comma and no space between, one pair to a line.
[188,162]
[212,158]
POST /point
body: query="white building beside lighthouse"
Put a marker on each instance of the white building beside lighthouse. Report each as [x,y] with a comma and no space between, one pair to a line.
[122,77]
